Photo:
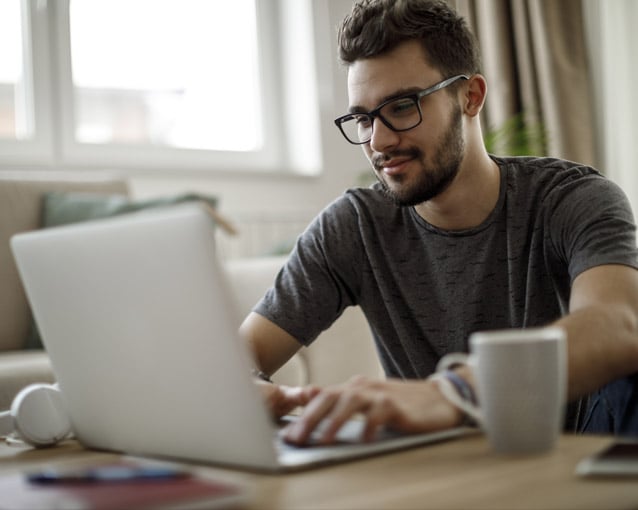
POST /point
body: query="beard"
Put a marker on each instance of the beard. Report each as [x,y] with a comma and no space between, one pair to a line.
[432,180]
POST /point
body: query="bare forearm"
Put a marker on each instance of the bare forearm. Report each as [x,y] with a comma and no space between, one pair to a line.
[602,327]
[602,346]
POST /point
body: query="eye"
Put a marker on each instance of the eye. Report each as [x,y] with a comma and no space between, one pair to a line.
[362,121]
[400,107]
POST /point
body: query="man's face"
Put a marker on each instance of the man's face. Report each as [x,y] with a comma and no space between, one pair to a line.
[417,165]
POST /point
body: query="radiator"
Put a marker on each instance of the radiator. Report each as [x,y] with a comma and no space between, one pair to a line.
[261,234]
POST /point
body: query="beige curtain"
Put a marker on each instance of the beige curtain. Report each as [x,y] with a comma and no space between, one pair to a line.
[536,63]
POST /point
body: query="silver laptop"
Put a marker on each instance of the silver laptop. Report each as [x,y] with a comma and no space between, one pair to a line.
[137,318]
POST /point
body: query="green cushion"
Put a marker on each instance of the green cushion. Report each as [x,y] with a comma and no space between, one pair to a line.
[62,208]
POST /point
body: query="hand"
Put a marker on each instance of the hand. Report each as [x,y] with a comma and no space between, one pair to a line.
[405,406]
[283,399]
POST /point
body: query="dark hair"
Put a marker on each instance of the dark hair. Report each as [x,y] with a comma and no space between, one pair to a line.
[375,27]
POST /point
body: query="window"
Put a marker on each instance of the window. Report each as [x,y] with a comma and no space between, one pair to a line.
[15,123]
[189,79]
[145,84]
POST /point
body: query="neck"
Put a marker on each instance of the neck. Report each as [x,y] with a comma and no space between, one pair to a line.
[470,198]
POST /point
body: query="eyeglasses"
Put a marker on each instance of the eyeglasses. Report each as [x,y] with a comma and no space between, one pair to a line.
[399,114]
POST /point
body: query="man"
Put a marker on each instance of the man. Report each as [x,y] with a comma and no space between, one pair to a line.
[451,240]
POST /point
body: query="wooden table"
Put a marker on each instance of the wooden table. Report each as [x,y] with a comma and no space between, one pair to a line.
[459,474]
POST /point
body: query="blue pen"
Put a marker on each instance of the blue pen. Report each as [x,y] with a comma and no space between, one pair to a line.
[110,473]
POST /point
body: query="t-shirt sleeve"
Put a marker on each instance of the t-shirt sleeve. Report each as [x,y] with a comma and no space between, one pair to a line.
[321,277]
[591,224]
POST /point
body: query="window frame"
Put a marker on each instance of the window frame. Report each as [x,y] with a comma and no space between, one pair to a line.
[38,149]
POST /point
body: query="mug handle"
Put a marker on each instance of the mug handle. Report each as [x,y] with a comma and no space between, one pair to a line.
[448,389]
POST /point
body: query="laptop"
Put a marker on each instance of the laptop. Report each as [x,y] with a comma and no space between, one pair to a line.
[139,323]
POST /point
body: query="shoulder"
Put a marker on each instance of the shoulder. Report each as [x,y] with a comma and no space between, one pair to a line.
[359,217]
[551,180]
[544,170]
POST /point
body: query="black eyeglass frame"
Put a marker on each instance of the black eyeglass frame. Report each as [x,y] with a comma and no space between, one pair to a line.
[376,113]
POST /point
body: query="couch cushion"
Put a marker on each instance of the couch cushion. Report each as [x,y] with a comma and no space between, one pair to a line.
[61,208]
[20,210]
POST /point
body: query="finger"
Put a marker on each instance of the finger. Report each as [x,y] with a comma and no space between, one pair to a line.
[308,393]
[300,431]
[356,396]
[295,395]
[298,396]
[350,403]
[283,399]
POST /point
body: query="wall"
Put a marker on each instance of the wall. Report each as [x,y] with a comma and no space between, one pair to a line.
[613,40]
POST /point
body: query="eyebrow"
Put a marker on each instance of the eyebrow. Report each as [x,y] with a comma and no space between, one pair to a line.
[389,97]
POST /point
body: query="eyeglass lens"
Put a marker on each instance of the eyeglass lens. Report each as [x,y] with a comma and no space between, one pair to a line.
[400,115]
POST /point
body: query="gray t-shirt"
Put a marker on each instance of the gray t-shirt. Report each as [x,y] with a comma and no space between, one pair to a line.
[424,290]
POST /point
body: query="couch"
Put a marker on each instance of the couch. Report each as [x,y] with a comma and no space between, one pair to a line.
[343,350]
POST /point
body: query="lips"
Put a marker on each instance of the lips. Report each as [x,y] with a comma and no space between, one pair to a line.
[394,166]
[396,162]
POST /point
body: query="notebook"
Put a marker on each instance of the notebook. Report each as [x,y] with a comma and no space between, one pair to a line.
[138,319]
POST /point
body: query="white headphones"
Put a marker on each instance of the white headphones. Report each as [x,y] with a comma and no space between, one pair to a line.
[38,416]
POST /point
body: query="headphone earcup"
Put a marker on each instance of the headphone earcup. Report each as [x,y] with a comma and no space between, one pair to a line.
[40,416]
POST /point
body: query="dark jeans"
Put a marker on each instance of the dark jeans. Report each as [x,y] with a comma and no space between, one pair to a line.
[614,409]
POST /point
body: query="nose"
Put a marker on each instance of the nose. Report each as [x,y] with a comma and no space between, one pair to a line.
[383,138]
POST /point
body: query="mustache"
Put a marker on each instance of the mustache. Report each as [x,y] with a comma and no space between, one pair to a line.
[379,160]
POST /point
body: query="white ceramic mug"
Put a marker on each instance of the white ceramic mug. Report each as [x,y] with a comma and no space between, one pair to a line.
[521,386]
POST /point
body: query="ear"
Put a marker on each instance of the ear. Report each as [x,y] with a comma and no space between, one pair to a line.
[475,94]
